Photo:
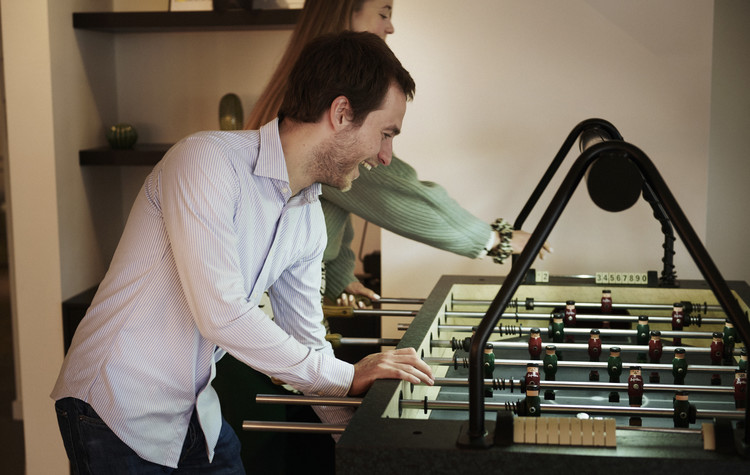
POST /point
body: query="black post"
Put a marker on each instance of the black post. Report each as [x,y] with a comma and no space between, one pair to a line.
[476,428]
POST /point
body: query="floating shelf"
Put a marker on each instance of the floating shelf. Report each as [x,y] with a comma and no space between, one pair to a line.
[146,22]
[140,155]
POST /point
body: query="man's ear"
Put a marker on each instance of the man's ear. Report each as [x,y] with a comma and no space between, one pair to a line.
[340,113]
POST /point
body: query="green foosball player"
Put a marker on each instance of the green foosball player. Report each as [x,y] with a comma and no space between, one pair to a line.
[614,368]
[489,367]
[643,335]
[550,369]
[684,412]
[679,366]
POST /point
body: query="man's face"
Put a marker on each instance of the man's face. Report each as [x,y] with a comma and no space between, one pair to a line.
[369,145]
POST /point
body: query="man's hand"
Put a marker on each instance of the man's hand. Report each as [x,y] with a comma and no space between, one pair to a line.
[349,298]
[395,364]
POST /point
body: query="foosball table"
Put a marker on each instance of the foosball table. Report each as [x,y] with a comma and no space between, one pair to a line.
[558,394]
[621,374]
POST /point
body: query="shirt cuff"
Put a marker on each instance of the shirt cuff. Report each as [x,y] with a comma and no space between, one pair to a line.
[336,377]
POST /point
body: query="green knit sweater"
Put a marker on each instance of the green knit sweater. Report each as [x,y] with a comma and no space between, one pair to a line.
[393,198]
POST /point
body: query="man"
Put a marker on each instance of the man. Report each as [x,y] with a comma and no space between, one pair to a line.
[222,218]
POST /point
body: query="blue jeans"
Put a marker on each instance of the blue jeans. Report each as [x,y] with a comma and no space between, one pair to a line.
[93,449]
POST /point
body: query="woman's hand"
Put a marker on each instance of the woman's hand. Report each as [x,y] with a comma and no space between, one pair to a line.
[521,238]
[357,295]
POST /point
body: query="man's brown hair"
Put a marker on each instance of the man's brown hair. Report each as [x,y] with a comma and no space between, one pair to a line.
[358,66]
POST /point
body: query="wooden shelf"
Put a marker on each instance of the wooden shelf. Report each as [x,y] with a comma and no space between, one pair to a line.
[140,155]
[145,22]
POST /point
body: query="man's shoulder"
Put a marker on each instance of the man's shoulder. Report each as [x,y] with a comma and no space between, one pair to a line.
[231,139]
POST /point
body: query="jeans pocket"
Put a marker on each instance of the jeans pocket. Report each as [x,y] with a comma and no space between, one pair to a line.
[63,422]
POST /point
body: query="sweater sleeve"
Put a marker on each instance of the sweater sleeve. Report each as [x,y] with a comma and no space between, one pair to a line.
[393,198]
[340,268]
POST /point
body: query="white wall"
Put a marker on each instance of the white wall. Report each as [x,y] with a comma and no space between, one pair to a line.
[500,84]
[33,231]
[729,166]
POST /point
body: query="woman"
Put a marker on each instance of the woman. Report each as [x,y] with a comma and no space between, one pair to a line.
[391,196]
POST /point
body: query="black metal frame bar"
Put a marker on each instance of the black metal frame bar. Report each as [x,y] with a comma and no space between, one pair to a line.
[476,433]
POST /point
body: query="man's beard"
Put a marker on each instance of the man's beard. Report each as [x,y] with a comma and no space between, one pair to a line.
[334,160]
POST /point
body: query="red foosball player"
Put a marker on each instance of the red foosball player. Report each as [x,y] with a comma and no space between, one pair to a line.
[595,351]
[740,389]
[654,353]
[570,313]
[606,301]
[535,343]
[679,366]
[570,318]
[550,369]
[489,367]
[678,320]
[635,392]
[717,355]
[614,368]
[532,375]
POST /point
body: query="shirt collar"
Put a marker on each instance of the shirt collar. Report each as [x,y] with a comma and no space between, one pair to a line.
[271,163]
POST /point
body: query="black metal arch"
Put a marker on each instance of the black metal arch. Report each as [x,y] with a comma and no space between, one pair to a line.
[475,433]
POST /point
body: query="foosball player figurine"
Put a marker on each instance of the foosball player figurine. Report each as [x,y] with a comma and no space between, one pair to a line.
[557,330]
[570,318]
[717,356]
[535,343]
[550,369]
[635,392]
[679,366]
[684,412]
[642,337]
[532,375]
[678,320]
[489,367]
[595,351]
[532,405]
[614,368]
[730,338]
[655,346]
[742,366]
[740,389]
[606,301]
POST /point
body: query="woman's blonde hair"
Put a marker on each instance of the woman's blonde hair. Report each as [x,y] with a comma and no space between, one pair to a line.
[318,17]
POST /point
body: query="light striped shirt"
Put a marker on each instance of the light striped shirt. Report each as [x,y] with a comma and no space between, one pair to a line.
[213,227]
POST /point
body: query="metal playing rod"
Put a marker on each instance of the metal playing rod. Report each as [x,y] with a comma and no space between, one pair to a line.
[458,405]
[587,385]
[580,346]
[573,409]
[464,362]
[604,332]
[307,427]
[347,311]
[580,316]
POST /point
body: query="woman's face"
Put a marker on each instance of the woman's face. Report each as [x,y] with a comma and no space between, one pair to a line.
[375,17]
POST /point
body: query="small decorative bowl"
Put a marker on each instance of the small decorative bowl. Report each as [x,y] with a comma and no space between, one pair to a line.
[122,136]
